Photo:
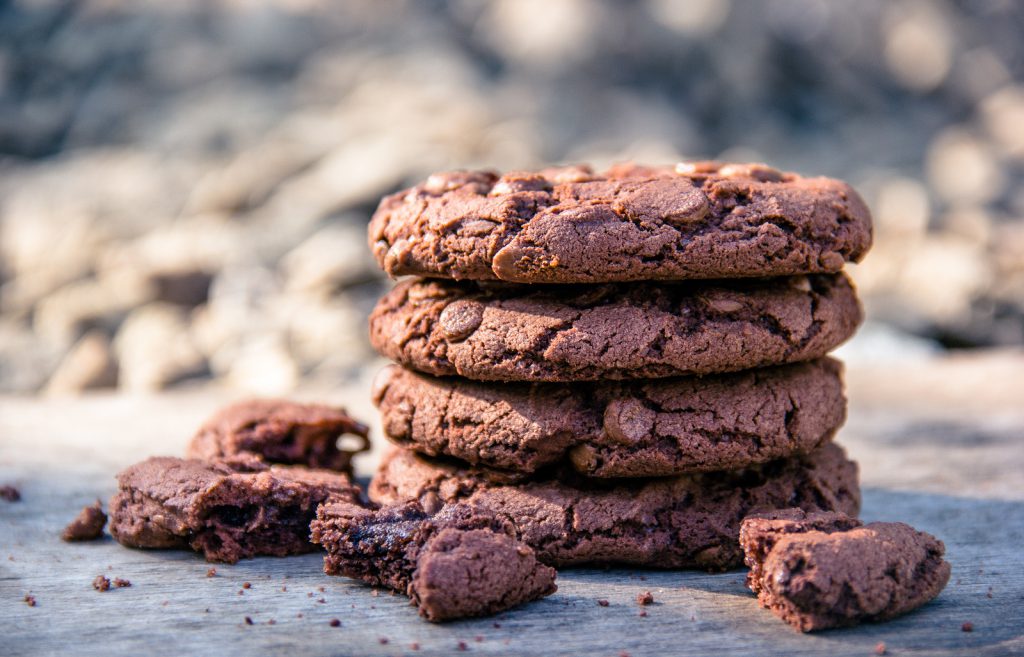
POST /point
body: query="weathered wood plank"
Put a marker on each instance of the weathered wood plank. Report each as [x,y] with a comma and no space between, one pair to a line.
[948,468]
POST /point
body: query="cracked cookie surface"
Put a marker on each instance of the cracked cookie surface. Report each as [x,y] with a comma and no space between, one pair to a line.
[616,429]
[821,570]
[688,521]
[696,220]
[499,332]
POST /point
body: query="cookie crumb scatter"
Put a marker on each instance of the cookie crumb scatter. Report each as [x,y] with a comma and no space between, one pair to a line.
[246,585]
[30,600]
[101,583]
[248,621]
[645,598]
[211,572]
[121,583]
[880,648]
[10,493]
[335,622]
[603,603]
[87,525]
[967,627]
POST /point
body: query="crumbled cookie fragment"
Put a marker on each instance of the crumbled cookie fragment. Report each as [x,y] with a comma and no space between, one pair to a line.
[335,622]
[211,572]
[433,558]
[121,583]
[603,603]
[30,600]
[101,583]
[88,525]
[967,627]
[9,493]
[645,598]
[280,431]
[228,509]
[820,570]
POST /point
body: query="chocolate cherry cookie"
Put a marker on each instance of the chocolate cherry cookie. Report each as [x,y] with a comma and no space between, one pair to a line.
[630,223]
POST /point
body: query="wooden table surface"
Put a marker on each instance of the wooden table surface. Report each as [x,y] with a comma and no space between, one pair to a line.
[941,446]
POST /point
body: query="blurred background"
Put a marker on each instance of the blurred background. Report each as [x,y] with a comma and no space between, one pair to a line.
[184,186]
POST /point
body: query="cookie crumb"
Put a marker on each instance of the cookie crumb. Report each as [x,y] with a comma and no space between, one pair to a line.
[248,621]
[10,493]
[284,589]
[271,622]
[241,592]
[414,646]
[645,598]
[101,583]
[322,601]
[320,588]
[603,603]
[87,525]
[967,627]
[373,592]
[623,654]
[880,648]
[121,583]
[211,572]
[30,600]
[988,594]
[643,614]
[335,622]
[497,626]
[383,640]
[246,585]
[478,639]
[463,646]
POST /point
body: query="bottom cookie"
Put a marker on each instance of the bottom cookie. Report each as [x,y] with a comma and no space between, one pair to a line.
[689,521]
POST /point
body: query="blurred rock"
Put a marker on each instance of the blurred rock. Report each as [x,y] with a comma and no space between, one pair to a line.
[332,259]
[262,366]
[962,169]
[26,362]
[1003,117]
[88,365]
[155,350]
[65,315]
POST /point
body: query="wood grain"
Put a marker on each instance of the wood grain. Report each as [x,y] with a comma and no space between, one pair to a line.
[953,469]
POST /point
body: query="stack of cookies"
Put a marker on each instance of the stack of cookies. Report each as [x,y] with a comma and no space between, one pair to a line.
[623,364]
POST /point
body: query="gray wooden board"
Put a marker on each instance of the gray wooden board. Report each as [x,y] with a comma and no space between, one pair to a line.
[953,469]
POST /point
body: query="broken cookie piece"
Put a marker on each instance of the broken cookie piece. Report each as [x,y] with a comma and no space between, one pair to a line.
[88,525]
[456,563]
[228,509]
[820,570]
[280,431]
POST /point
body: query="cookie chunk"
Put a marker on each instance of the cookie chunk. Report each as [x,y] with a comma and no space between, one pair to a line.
[227,509]
[821,570]
[617,429]
[87,525]
[696,220]
[281,431]
[455,563]
[614,331]
[688,521]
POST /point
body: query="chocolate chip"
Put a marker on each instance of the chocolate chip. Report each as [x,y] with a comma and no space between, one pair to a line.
[460,318]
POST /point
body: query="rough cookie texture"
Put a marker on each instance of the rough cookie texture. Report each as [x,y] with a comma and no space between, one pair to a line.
[617,429]
[227,509]
[455,563]
[820,570]
[87,525]
[281,431]
[613,331]
[631,223]
[678,522]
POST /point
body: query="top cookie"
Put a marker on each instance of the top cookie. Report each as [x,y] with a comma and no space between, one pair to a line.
[631,223]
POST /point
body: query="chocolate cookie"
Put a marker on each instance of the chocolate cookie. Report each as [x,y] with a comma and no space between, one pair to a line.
[280,431]
[617,429]
[434,558]
[820,570]
[612,331]
[87,525]
[678,522]
[227,509]
[631,223]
